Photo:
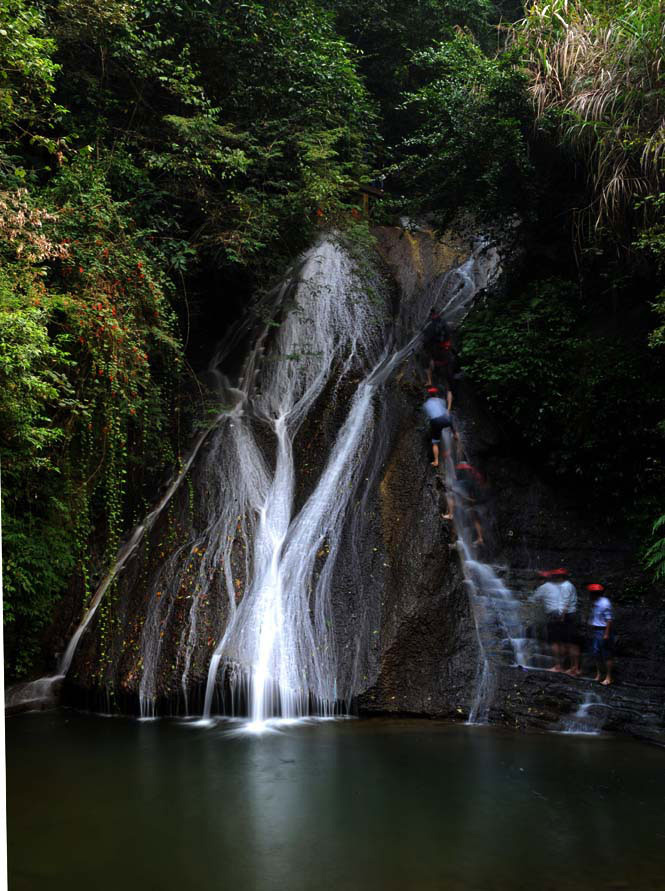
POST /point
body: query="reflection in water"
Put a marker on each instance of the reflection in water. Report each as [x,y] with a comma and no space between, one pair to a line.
[110,804]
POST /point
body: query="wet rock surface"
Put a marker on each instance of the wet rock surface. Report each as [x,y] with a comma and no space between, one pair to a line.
[530,524]
[404,630]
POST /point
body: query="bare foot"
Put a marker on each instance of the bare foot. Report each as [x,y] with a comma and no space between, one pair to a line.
[479,541]
[597,677]
[446,516]
[434,463]
[555,668]
[607,682]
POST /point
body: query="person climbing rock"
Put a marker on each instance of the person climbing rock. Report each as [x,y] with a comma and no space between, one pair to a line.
[436,329]
[600,623]
[439,417]
[439,347]
[469,488]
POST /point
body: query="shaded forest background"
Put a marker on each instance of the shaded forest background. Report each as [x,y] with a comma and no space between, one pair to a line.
[161,163]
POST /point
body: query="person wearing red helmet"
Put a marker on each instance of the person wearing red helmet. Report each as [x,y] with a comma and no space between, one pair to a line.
[439,418]
[559,599]
[439,347]
[600,622]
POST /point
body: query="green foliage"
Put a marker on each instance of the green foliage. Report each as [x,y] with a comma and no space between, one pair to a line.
[142,143]
[89,355]
[467,147]
[389,33]
[30,381]
[655,555]
[597,75]
[27,70]
[586,403]
[250,116]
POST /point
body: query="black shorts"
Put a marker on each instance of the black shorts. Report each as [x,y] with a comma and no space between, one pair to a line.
[436,425]
[570,635]
[556,630]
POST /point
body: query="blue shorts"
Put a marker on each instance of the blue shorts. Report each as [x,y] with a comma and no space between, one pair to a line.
[600,646]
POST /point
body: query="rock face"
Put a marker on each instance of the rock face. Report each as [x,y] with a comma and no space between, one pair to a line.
[403,631]
[427,650]
[536,527]
[404,628]
[531,525]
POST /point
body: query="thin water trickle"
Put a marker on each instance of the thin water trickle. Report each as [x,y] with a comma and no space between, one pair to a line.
[496,611]
[589,717]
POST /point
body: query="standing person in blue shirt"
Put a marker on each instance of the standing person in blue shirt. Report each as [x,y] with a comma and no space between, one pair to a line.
[600,623]
[439,417]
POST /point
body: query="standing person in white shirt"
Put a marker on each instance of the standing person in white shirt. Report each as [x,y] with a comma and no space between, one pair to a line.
[551,596]
[439,418]
[600,622]
[568,595]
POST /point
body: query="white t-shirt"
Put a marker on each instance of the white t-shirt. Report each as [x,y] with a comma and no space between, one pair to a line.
[601,613]
[435,407]
[551,596]
[569,595]
[557,597]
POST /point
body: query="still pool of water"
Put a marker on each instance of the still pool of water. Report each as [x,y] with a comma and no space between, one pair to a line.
[109,804]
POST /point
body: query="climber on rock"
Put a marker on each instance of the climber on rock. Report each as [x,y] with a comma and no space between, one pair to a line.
[438,415]
[439,348]
[469,488]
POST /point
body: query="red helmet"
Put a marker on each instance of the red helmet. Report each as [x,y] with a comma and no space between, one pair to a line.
[559,573]
[432,390]
[595,587]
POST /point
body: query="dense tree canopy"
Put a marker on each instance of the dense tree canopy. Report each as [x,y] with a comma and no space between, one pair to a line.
[159,161]
[143,145]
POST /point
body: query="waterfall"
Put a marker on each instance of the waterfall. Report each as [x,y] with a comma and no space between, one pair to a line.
[278,643]
[240,600]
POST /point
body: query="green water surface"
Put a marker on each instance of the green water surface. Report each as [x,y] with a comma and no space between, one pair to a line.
[110,804]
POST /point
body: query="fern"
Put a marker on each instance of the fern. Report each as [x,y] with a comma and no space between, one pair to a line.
[654,557]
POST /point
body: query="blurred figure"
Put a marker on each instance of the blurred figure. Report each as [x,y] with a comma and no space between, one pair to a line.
[600,622]
[570,639]
[552,597]
[439,417]
[469,487]
[438,346]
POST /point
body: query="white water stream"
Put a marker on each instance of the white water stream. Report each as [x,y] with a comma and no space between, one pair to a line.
[277,654]
[280,639]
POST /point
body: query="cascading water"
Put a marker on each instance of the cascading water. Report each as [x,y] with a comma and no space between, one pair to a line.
[280,638]
[497,613]
[588,718]
[244,593]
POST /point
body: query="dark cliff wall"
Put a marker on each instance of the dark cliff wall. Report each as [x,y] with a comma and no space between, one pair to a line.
[404,628]
[531,524]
